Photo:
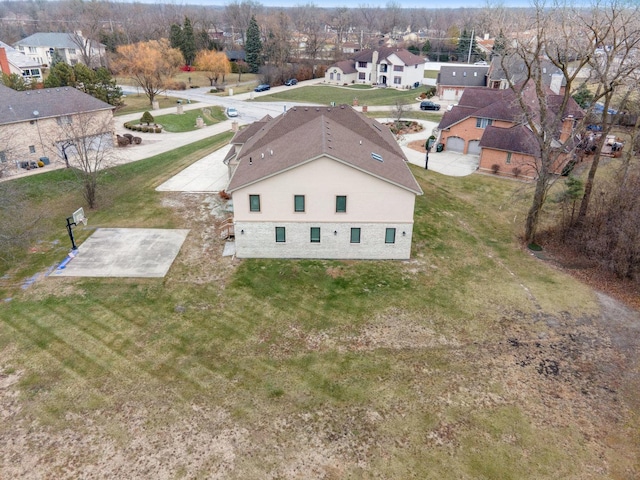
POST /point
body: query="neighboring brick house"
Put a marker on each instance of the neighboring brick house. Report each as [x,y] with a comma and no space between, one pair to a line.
[489,123]
[321,182]
[388,66]
[32,122]
[71,47]
[13,61]
[453,79]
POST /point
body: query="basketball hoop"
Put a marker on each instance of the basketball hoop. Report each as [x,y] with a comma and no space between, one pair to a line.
[73,221]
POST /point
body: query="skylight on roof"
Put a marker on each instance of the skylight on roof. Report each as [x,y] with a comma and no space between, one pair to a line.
[377,157]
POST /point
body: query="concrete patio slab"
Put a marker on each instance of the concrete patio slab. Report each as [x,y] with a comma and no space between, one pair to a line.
[125,252]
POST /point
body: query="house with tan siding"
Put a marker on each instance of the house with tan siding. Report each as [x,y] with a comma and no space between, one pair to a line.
[321,182]
[36,124]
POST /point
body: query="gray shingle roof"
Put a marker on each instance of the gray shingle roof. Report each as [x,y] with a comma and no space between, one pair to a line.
[303,134]
[48,102]
[385,52]
[47,39]
[18,58]
[463,76]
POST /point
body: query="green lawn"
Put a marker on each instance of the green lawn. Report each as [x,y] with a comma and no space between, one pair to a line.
[326,94]
[339,369]
[186,122]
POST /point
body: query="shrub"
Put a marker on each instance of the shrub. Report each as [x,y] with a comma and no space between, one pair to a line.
[516,171]
[147,118]
[137,140]
[145,129]
[158,129]
[40,164]
[224,195]
[213,90]
[495,168]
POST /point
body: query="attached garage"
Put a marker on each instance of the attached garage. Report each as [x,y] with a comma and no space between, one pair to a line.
[449,94]
[474,147]
[455,144]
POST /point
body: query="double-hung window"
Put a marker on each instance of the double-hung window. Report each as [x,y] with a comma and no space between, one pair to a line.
[341,204]
[355,235]
[281,235]
[298,203]
[315,234]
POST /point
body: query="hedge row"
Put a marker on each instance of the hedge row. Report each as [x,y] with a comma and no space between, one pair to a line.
[143,128]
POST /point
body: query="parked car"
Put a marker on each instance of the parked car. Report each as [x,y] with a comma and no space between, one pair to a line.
[262,88]
[429,105]
[290,82]
[480,62]
[231,112]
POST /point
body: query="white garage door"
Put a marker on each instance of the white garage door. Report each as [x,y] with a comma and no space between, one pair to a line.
[474,147]
[455,144]
[449,94]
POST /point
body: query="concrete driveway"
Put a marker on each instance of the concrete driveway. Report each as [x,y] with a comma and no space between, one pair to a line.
[209,174]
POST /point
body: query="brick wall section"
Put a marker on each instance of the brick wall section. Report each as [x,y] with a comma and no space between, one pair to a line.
[468,131]
[259,241]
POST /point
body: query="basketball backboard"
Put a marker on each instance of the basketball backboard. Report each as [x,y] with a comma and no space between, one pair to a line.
[78,217]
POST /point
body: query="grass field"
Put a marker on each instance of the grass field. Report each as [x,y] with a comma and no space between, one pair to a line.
[441,367]
[327,94]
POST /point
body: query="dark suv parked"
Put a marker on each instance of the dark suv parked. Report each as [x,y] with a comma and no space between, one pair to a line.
[429,105]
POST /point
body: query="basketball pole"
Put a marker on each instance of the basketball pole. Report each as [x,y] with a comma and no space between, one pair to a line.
[70,224]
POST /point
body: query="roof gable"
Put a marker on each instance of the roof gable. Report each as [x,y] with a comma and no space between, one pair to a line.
[303,134]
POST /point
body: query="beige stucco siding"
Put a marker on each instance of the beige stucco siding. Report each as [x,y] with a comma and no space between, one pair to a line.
[369,199]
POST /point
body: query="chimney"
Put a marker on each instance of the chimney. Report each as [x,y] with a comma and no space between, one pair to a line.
[374,66]
[4,62]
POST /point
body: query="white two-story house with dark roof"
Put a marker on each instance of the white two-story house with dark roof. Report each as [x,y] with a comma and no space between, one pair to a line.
[321,182]
[383,66]
[71,47]
[13,61]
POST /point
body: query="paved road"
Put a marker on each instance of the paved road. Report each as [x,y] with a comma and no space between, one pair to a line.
[447,163]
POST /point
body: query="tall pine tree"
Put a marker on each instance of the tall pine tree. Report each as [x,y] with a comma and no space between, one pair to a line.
[188,46]
[253,47]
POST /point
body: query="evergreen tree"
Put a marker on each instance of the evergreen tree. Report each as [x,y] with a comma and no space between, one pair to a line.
[464,45]
[426,48]
[60,75]
[499,44]
[188,44]
[583,96]
[175,36]
[253,47]
[14,81]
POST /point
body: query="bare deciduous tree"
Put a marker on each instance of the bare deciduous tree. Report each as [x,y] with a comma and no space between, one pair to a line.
[89,147]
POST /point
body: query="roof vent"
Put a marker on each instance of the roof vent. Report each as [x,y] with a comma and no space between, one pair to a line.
[270,152]
[377,157]
[360,142]
[250,161]
[262,155]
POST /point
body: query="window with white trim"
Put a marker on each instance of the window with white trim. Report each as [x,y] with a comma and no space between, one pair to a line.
[483,122]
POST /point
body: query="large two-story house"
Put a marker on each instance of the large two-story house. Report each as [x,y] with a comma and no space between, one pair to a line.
[37,124]
[383,66]
[490,123]
[13,61]
[71,48]
[321,182]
